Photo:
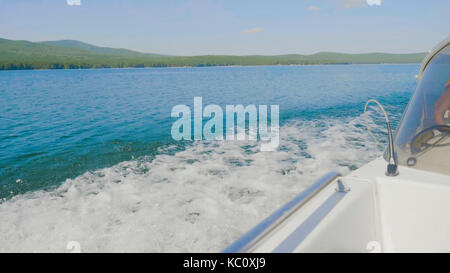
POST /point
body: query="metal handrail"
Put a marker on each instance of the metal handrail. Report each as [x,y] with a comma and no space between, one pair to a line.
[252,237]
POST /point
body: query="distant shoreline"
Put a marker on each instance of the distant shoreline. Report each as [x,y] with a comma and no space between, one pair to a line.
[70,54]
[210,66]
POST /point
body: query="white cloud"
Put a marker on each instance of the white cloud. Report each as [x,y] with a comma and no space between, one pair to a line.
[253,30]
[74,2]
[374,2]
[348,4]
[313,8]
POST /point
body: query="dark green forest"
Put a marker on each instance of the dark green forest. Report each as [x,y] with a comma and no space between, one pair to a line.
[70,54]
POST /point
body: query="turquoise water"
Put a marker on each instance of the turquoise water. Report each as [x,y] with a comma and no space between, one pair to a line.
[65,132]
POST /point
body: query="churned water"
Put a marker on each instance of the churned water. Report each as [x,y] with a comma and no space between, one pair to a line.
[87,156]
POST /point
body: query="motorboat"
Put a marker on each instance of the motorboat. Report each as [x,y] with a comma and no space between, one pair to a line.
[399,202]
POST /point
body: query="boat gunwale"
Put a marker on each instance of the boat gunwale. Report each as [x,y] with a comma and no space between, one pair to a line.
[252,237]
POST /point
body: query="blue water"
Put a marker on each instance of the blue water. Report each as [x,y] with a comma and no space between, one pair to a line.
[58,124]
[87,156]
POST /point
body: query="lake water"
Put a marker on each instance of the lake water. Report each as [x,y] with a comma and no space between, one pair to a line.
[87,156]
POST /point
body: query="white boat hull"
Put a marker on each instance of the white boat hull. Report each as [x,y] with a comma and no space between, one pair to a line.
[406,213]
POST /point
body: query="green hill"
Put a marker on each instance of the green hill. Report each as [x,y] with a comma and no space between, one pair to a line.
[95,49]
[67,54]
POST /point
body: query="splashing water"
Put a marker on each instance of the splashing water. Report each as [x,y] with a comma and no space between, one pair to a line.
[101,174]
[198,199]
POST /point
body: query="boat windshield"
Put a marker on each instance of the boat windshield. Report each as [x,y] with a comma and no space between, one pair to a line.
[423,137]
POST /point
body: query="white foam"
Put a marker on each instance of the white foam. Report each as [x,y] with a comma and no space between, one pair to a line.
[199,199]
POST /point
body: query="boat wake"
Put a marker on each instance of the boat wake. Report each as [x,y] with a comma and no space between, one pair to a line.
[195,200]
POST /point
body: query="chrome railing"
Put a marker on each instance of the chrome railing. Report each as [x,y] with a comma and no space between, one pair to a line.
[252,237]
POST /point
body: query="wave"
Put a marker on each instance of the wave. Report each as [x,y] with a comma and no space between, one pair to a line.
[199,199]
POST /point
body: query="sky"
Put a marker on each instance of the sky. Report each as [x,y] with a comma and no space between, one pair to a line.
[236,27]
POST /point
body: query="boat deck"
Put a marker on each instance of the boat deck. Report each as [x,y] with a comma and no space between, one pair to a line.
[406,213]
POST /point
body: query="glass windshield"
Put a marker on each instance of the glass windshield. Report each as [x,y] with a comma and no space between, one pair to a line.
[423,137]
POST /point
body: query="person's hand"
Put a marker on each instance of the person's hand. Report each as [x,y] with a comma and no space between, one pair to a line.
[442,105]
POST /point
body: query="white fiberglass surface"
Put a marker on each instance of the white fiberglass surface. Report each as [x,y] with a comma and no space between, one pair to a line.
[351,226]
[414,216]
[408,213]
